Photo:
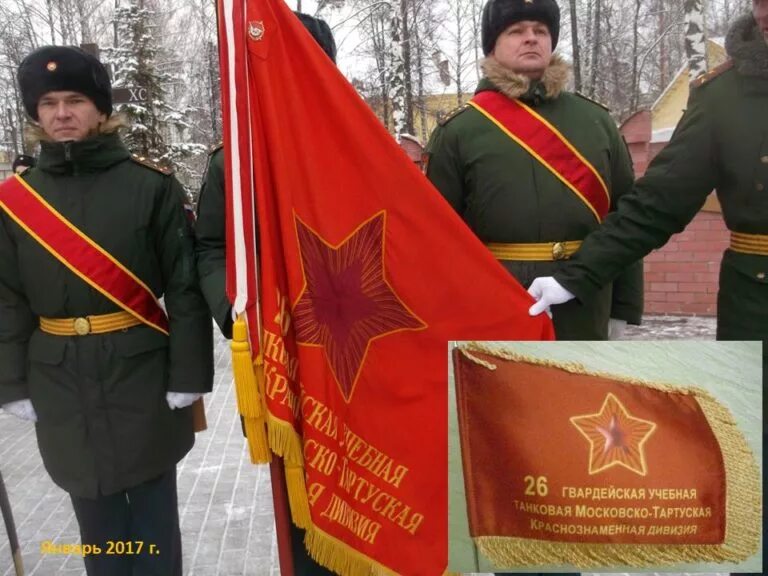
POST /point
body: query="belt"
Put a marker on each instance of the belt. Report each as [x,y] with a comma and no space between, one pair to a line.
[85,325]
[749,243]
[542,252]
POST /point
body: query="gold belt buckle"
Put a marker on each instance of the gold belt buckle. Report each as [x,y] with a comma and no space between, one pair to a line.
[82,326]
[558,251]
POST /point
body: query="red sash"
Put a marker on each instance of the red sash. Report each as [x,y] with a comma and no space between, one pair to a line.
[79,253]
[545,143]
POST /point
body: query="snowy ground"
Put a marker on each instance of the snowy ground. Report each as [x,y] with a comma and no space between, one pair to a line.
[225,502]
[673,328]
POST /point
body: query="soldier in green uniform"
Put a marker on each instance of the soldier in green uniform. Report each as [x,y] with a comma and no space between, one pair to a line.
[211,264]
[106,375]
[721,143]
[518,202]
[517,197]
[210,246]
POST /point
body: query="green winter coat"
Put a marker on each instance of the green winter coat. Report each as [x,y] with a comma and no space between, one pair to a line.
[211,243]
[720,143]
[505,195]
[103,421]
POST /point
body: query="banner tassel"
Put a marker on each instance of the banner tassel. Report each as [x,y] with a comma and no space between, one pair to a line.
[249,386]
[297,495]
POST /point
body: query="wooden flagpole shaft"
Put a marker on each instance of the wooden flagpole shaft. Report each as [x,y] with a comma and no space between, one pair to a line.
[282,516]
[10,528]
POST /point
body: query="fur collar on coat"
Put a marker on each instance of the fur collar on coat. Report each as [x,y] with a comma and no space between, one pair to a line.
[514,85]
[748,48]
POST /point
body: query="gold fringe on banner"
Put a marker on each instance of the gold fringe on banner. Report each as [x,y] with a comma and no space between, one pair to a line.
[743,493]
[325,549]
[285,442]
[249,385]
[297,495]
[341,558]
[509,552]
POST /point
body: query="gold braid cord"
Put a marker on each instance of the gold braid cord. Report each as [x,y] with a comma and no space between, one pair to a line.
[249,386]
[743,489]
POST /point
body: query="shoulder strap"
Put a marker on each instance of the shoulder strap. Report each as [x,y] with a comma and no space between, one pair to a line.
[592,101]
[147,163]
[453,113]
[712,74]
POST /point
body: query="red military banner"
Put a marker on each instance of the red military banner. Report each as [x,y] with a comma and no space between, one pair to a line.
[563,465]
[364,274]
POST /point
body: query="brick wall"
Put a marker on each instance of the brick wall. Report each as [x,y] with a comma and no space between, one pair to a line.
[682,277]
[413,148]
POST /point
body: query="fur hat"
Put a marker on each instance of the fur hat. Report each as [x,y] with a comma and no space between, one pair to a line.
[498,15]
[321,32]
[53,68]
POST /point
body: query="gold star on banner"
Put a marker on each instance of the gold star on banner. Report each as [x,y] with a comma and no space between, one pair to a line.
[616,438]
[347,301]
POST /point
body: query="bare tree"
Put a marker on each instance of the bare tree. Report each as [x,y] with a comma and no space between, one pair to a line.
[625,52]
[461,31]
[575,44]
[422,39]
[596,40]
[397,93]
[635,56]
[407,64]
[695,38]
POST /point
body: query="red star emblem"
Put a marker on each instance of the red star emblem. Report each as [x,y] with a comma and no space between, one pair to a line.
[347,302]
[616,438]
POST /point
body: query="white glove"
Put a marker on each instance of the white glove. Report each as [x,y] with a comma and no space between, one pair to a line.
[616,328]
[181,399]
[547,291]
[21,409]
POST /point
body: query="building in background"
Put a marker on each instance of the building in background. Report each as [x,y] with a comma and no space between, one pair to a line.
[413,147]
[682,277]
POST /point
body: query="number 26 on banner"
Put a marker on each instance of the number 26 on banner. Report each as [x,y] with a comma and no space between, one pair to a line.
[536,486]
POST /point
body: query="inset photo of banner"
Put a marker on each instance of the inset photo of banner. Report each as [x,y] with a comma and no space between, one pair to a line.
[567,456]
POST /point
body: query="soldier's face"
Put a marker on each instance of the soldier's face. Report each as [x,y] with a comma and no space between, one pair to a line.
[760,11]
[65,116]
[525,48]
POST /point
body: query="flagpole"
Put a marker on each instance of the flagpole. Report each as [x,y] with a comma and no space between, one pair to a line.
[282,516]
[230,26]
[10,528]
